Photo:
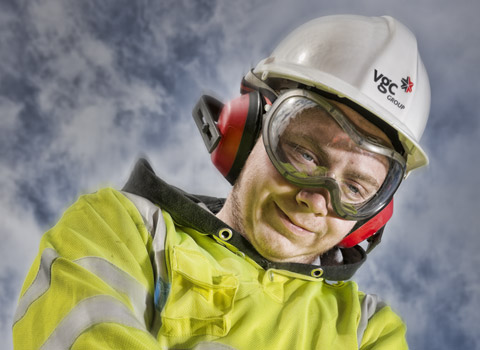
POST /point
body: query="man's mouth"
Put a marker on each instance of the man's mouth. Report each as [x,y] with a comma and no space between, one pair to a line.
[291,226]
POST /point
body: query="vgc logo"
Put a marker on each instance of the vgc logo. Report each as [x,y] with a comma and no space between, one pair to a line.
[386,85]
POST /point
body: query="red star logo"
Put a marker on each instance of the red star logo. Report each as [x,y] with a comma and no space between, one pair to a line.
[407,84]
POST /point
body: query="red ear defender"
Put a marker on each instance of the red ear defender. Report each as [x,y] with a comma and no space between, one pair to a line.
[229,131]
[369,228]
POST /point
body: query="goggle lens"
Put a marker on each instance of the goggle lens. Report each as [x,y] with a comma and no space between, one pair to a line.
[313,144]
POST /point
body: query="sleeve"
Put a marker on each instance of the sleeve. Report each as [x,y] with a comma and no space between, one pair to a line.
[92,283]
[383,328]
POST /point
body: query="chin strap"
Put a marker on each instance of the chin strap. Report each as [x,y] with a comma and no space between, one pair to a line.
[371,230]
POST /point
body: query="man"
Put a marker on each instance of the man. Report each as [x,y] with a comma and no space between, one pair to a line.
[326,129]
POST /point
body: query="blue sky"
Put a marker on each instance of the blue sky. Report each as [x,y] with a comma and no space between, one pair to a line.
[89,86]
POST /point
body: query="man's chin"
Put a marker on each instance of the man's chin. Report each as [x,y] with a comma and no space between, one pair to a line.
[281,255]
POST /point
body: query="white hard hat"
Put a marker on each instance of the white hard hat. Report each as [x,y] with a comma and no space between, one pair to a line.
[371,61]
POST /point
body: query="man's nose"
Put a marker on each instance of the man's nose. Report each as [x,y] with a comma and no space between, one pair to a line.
[316,200]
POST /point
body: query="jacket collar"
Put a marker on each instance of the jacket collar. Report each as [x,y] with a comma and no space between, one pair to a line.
[336,265]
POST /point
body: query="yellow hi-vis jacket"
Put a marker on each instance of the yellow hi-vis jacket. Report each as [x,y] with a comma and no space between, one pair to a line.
[118,273]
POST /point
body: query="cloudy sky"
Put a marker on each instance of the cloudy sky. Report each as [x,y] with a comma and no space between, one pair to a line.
[89,86]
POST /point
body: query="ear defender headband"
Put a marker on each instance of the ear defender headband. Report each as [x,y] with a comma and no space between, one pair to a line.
[230,131]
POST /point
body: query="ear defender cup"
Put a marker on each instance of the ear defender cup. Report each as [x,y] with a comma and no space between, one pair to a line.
[368,228]
[239,125]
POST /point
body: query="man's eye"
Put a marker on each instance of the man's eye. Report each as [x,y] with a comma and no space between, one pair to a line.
[353,189]
[352,193]
[355,193]
[307,157]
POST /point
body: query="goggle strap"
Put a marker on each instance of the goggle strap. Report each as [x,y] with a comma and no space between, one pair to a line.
[369,228]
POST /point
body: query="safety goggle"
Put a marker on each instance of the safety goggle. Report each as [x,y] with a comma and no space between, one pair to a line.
[314,145]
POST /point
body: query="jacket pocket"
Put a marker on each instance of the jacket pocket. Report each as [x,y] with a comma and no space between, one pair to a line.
[201,297]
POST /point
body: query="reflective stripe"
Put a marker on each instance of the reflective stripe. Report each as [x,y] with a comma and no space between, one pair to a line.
[121,281]
[153,220]
[40,284]
[151,214]
[371,304]
[155,225]
[87,313]
[212,346]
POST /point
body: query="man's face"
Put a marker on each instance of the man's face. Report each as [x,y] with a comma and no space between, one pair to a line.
[292,224]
